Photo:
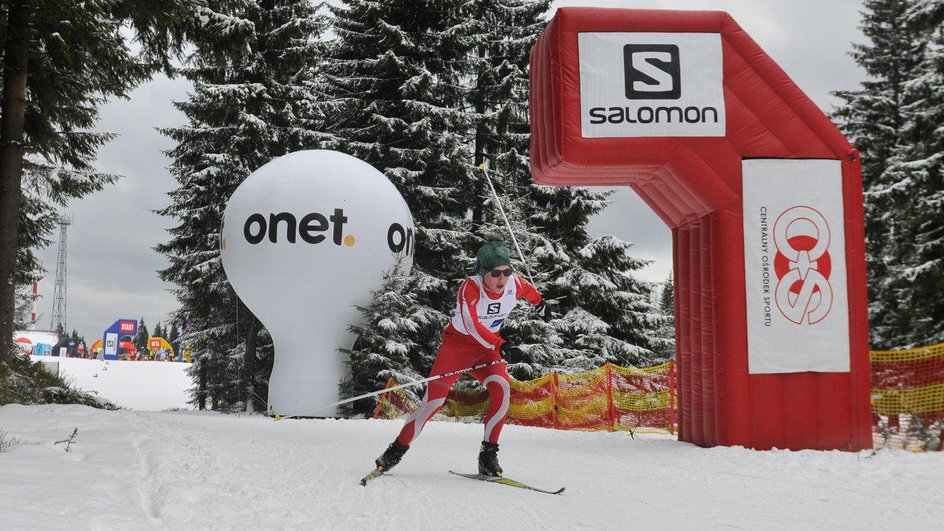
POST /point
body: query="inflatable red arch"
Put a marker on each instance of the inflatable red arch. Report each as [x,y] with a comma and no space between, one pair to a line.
[764,198]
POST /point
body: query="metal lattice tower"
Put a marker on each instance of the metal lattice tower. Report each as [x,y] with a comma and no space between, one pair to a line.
[59,292]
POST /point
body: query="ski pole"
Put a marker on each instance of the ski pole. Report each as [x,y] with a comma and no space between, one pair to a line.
[394,388]
[510,231]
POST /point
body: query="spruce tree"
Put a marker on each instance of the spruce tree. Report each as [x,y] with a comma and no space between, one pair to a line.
[62,59]
[503,33]
[393,87]
[173,335]
[572,269]
[428,94]
[140,339]
[604,314]
[665,334]
[387,339]
[915,269]
[610,316]
[392,80]
[874,119]
[252,102]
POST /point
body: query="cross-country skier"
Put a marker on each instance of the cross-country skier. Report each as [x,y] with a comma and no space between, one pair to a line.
[484,301]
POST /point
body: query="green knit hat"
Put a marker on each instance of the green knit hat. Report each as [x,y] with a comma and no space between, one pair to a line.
[490,256]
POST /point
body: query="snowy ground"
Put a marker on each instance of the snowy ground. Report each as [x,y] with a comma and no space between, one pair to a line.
[141,385]
[191,470]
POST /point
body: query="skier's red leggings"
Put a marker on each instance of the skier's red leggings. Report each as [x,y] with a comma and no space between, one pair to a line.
[459,351]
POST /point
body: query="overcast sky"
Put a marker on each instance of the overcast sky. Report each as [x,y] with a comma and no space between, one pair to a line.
[112,267]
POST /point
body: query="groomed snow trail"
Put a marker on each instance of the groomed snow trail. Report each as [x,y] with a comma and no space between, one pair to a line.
[188,470]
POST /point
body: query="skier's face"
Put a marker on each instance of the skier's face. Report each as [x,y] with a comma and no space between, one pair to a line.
[496,279]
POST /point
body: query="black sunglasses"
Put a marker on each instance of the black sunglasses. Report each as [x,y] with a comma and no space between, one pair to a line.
[499,272]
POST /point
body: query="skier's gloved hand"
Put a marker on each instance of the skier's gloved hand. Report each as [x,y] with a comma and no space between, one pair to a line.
[510,353]
[544,311]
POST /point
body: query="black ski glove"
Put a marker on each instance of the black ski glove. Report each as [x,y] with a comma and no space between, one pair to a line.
[544,311]
[510,354]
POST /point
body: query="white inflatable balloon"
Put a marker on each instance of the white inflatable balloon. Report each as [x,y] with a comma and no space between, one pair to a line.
[305,238]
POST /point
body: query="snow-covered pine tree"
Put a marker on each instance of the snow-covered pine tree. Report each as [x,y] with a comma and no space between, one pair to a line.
[664,336]
[140,339]
[252,72]
[387,339]
[667,296]
[62,59]
[75,335]
[600,284]
[503,33]
[392,88]
[24,307]
[874,119]
[617,317]
[45,190]
[616,314]
[915,257]
[540,345]
[173,335]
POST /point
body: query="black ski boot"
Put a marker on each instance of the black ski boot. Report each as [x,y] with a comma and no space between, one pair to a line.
[391,456]
[488,460]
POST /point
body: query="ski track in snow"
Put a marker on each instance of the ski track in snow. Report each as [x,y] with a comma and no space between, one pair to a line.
[133,470]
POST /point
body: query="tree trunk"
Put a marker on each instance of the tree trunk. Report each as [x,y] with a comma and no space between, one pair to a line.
[246,389]
[481,145]
[12,113]
[202,385]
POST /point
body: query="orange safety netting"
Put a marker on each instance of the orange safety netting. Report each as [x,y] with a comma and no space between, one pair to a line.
[909,382]
[608,398]
[908,397]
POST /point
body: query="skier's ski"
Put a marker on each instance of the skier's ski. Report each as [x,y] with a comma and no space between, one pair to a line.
[507,481]
[375,473]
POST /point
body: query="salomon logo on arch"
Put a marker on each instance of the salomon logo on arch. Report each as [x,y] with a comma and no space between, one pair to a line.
[652,71]
[650,84]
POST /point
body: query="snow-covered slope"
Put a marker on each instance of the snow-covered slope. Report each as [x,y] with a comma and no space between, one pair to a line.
[196,470]
[141,385]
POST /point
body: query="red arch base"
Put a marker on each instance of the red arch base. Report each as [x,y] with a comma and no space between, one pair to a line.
[695,184]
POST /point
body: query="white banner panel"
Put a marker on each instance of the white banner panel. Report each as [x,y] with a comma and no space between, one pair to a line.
[795,266]
[111,344]
[651,84]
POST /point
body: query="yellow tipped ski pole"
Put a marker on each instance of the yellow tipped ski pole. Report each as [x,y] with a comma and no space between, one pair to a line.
[510,231]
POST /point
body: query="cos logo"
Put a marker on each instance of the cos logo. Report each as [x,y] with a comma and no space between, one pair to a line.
[803,265]
[652,71]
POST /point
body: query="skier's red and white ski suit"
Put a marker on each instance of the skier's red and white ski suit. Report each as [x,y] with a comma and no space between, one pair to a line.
[472,339]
